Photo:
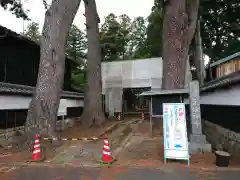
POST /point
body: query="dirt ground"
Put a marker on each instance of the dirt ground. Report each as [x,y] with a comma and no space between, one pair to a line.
[77,131]
[144,149]
[90,153]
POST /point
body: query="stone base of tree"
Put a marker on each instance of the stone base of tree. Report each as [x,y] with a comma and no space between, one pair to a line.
[92,118]
[198,144]
[25,142]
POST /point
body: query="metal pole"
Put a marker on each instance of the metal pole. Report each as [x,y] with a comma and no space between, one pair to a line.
[6,127]
[15,122]
[5,69]
[63,123]
[150,113]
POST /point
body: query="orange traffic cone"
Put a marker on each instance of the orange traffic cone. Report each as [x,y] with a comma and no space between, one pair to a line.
[142,115]
[106,154]
[36,156]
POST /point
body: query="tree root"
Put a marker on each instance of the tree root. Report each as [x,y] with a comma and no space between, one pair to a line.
[25,142]
[90,119]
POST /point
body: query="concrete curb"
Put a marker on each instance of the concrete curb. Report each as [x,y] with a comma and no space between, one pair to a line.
[114,126]
[109,129]
[125,140]
[123,144]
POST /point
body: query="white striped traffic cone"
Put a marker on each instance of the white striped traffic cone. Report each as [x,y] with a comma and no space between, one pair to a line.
[106,154]
[36,156]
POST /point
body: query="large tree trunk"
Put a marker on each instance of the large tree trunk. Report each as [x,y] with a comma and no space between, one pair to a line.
[93,111]
[178,30]
[43,108]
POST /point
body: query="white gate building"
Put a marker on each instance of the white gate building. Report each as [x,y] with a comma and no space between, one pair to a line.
[140,73]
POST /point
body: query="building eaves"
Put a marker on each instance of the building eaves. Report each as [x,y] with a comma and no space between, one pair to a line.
[5,32]
[163,92]
[226,59]
[223,81]
[28,90]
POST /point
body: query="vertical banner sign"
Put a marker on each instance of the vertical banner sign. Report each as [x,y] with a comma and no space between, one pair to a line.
[175,132]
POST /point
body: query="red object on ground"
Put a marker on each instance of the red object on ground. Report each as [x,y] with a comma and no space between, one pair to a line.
[36,156]
[142,115]
[106,154]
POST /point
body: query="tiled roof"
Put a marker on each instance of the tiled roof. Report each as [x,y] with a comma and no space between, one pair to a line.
[215,84]
[222,81]
[226,59]
[5,33]
[28,90]
[164,92]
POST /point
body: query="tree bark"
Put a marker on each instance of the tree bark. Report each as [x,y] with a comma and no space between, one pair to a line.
[198,55]
[93,111]
[178,30]
[43,109]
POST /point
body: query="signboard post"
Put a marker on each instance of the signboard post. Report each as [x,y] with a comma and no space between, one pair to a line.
[175,132]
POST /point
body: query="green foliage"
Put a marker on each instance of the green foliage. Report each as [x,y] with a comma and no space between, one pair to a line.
[123,39]
[138,47]
[76,47]
[78,78]
[125,30]
[32,32]
[112,38]
[220,27]
[16,7]
[154,29]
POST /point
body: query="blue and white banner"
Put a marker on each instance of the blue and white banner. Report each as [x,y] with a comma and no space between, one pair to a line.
[175,131]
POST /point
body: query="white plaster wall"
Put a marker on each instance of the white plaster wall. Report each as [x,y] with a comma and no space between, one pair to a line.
[135,73]
[126,70]
[75,102]
[14,102]
[138,73]
[132,73]
[22,102]
[62,109]
[230,96]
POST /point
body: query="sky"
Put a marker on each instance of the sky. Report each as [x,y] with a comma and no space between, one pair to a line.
[132,8]
[36,12]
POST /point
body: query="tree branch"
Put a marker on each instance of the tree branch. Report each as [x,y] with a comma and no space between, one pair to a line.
[192,11]
[85,2]
[45,4]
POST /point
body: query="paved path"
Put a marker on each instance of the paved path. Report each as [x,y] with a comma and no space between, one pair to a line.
[73,173]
